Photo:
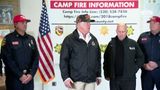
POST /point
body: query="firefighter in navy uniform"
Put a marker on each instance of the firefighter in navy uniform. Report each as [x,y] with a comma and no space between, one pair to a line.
[150,45]
[20,56]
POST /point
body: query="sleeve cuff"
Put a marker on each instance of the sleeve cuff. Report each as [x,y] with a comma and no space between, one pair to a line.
[99,78]
[67,79]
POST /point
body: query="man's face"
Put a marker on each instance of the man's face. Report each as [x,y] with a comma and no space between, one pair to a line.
[155,26]
[22,26]
[84,27]
[121,32]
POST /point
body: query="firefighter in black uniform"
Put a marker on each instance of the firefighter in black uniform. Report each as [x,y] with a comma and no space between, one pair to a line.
[150,45]
[0,66]
[20,56]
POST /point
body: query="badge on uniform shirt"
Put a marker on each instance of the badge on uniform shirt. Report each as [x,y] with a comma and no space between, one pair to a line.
[15,43]
[29,44]
[32,42]
[93,43]
[144,39]
[131,48]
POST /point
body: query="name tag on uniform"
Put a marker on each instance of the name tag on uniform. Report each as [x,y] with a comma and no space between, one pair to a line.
[131,48]
[144,39]
[15,43]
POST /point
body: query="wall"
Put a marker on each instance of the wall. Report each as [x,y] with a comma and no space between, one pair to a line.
[31,9]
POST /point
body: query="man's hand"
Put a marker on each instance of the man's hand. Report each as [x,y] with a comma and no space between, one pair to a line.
[98,81]
[28,79]
[147,67]
[23,78]
[151,65]
[68,83]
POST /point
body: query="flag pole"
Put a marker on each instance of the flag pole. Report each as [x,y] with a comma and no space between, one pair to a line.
[42,86]
[42,82]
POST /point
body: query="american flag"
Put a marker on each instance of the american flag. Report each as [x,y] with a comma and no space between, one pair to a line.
[46,61]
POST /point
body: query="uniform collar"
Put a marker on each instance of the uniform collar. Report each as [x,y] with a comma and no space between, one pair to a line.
[151,34]
[18,35]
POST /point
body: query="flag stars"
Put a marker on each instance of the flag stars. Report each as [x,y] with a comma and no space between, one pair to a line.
[44,23]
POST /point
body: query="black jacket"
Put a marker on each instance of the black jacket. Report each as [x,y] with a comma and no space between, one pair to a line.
[78,60]
[133,59]
[0,65]
[19,53]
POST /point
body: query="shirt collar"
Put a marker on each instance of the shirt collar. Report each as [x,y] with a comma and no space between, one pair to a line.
[88,36]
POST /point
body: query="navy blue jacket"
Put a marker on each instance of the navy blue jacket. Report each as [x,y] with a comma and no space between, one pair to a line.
[150,45]
[19,53]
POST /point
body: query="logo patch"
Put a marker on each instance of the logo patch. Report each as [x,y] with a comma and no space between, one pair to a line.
[144,39]
[29,44]
[93,43]
[3,42]
[32,42]
[15,43]
[131,48]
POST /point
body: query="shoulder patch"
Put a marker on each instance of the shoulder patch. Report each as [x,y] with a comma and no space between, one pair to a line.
[3,42]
